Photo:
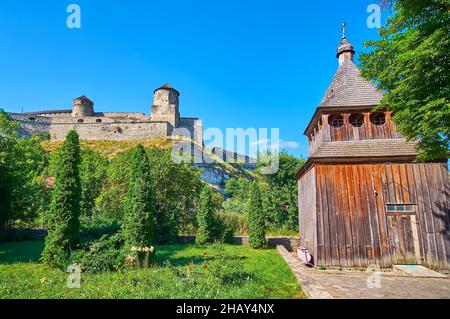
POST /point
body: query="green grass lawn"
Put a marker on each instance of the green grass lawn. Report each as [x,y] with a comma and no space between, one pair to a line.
[234,272]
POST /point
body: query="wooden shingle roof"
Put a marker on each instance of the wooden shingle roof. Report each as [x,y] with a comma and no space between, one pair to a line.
[349,88]
[365,148]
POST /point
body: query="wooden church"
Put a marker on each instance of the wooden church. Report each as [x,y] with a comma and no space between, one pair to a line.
[362,198]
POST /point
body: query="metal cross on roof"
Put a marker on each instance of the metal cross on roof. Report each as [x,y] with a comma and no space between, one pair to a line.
[343,29]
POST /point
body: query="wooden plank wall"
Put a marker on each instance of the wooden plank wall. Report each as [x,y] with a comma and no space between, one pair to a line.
[351,211]
[307,210]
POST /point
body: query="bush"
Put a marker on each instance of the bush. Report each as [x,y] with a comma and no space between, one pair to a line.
[225,268]
[256,220]
[106,254]
[93,228]
[228,236]
[238,222]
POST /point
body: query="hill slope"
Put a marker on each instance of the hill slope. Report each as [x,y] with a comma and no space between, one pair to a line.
[215,170]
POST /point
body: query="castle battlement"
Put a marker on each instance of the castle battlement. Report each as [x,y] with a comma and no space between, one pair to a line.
[163,120]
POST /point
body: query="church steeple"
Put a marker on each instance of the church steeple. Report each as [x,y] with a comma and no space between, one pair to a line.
[345,51]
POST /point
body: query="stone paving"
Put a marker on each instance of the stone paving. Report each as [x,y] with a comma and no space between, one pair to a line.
[345,284]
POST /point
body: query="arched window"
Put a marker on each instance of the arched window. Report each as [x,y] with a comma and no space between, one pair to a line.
[80,121]
[378,118]
[98,120]
[336,120]
[356,119]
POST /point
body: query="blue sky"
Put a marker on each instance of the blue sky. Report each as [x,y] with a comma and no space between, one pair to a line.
[236,63]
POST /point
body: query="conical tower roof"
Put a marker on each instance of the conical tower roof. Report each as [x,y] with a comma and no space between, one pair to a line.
[348,87]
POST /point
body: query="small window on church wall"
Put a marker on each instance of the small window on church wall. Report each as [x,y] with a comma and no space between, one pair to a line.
[378,118]
[98,120]
[356,120]
[400,208]
[80,121]
[336,120]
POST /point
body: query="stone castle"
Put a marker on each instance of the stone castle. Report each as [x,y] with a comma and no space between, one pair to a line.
[164,121]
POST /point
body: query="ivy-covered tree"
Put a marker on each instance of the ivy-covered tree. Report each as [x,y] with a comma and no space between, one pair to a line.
[63,218]
[256,219]
[205,218]
[411,63]
[140,210]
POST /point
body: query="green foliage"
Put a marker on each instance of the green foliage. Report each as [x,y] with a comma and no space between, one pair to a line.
[110,202]
[139,220]
[93,228]
[22,161]
[180,274]
[63,223]
[205,218]
[256,220]
[279,193]
[92,175]
[105,254]
[410,63]
[175,187]
[237,222]
[227,269]
[278,196]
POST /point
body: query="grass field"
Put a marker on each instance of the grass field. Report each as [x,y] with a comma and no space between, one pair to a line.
[231,272]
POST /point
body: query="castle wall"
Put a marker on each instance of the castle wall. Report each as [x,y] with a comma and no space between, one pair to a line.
[194,126]
[30,125]
[111,131]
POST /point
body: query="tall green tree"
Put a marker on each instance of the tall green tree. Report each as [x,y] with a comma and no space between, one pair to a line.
[63,218]
[205,218]
[256,219]
[411,63]
[140,208]
[92,174]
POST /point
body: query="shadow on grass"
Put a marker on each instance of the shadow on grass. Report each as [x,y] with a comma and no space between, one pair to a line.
[20,252]
[171,253]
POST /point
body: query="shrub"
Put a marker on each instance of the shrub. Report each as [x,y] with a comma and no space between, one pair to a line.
[93,228]
[225,268]
[238,222]
[228,236]
[139,222]
[256,220]
[63,223]
[105,254]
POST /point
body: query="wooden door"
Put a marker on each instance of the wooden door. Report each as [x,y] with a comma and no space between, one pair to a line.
[402,236]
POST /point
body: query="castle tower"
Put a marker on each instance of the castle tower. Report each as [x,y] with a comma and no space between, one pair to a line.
[166,105]
[82,107]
